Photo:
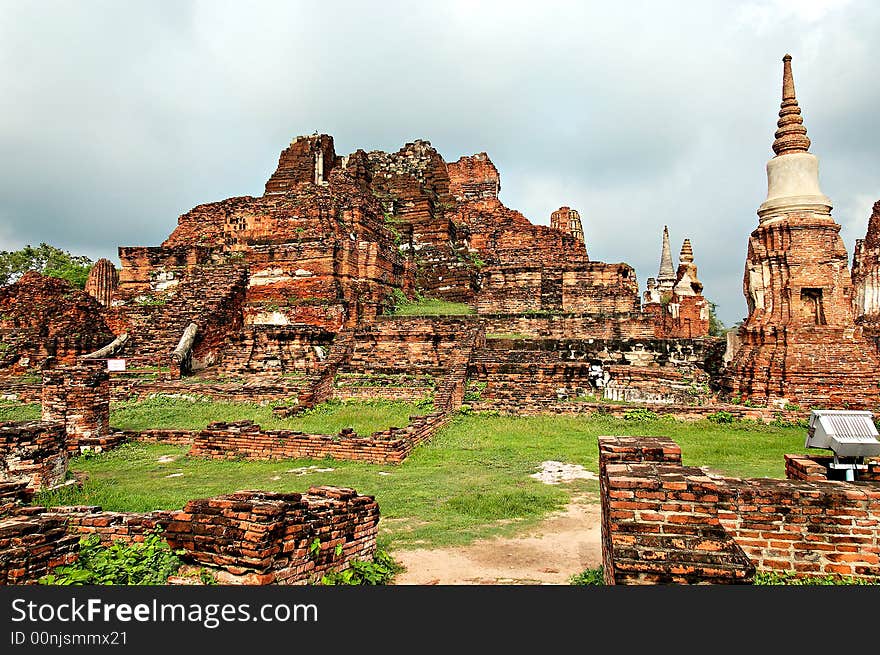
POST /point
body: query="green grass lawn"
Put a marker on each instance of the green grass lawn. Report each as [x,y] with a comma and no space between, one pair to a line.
[471,481]
[327,418]
[11,410]
[433,307]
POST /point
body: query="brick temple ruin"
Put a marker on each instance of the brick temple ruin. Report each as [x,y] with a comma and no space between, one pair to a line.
[289,297]
[800,342]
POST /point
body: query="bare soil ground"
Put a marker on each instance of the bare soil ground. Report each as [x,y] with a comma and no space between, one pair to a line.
[560,546]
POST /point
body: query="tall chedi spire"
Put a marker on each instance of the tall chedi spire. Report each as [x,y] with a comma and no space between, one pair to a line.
[791,135]
[793,174]
[686,281]
[666,275]
[799,342]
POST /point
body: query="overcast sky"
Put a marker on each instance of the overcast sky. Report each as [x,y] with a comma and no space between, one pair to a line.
[119,116]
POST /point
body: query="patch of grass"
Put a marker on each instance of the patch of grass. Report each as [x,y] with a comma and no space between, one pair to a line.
[472,481]
[11,410]
[432,307]
[195,413]
[507,335]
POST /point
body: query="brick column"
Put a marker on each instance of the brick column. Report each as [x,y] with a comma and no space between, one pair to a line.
[79,397]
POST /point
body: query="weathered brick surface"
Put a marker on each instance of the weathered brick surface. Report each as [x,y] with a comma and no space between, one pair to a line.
[568,220]
[660,520]
[13,494]
[78,397]
[245,440]
[816,468]
[799,342]
[524,375]
[34,451]
[32,543]
[866,277]
[102,281]
[808,525]
[249,537]
[257,537]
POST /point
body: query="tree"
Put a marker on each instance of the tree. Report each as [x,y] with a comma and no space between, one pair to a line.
[47,260]
[716,327]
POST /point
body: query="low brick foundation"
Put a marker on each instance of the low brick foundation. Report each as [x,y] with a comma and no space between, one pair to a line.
[259,538]
[35,451]
[664,522]
[244,439]
[249,537]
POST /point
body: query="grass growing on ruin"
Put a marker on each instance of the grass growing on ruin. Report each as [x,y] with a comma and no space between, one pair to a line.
[11,410]
[432,307]
[472,481]
[328,418]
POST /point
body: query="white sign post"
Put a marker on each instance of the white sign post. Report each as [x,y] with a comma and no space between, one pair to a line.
[115,364]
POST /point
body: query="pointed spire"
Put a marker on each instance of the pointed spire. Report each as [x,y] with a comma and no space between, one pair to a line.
[791,135]
[667,272]
[686,256]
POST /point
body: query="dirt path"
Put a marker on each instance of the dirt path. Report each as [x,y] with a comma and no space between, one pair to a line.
[560,546]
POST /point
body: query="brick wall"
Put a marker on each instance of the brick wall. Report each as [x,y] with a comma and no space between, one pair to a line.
[801,526]
[46,318]
[32,543]
[35,451]
[521,374]
[249,537]
[660,520]
[256,537]
[815,468]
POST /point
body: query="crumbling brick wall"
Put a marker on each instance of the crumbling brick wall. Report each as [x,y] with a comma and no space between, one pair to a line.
[660,520]
[35,451]
[257,537]
[816,468]
[794,526]
[32,543]
[520,374]
[246,440]
[249,537]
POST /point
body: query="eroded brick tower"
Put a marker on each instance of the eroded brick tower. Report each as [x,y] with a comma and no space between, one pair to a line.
[799,343]
[569,221]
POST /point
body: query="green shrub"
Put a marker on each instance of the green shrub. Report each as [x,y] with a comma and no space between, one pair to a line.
[147,563]
[640,414]
[380,571]
[721,417]
[773,578]
[588,577]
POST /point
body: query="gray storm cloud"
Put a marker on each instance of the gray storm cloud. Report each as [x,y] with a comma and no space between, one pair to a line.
[118,117]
